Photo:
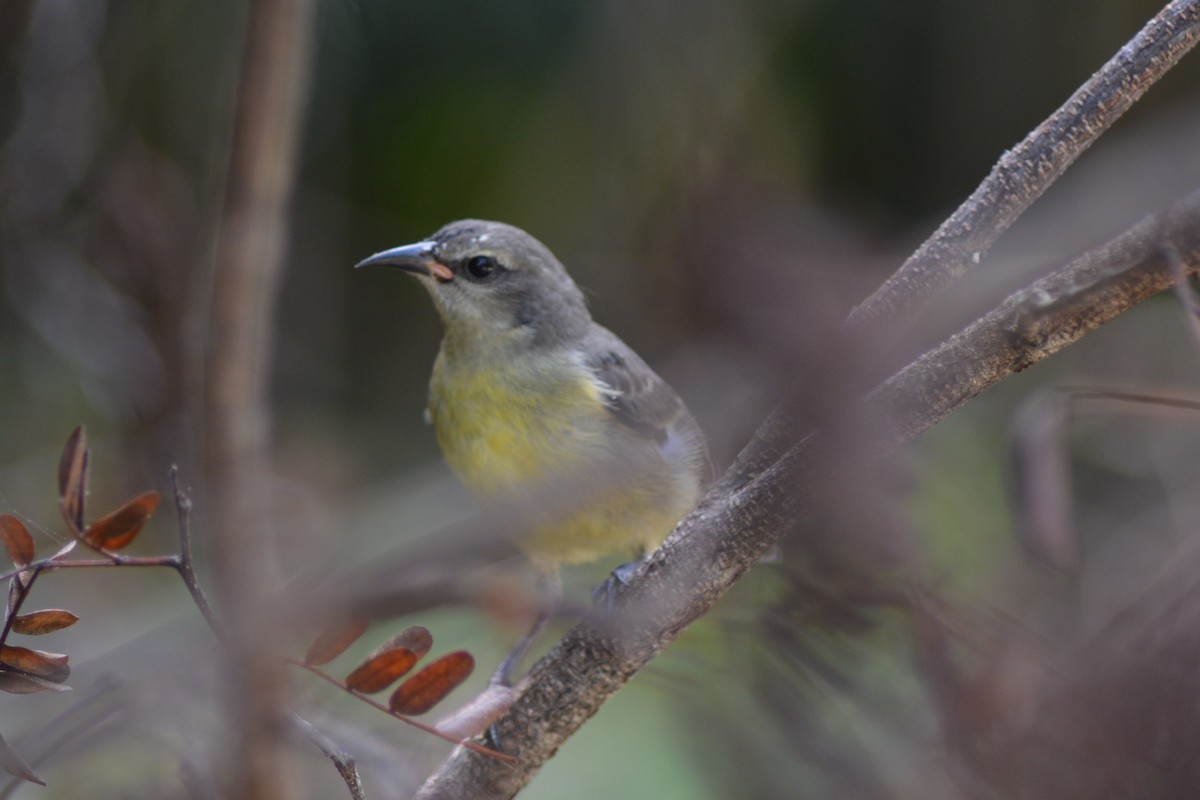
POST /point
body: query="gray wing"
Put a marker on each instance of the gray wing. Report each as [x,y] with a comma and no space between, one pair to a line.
[637,397]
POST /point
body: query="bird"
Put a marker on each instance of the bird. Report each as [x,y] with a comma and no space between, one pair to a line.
[532,401]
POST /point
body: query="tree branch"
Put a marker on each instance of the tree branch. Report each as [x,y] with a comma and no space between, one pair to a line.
[1019,178]
[1024,173]
[735,524]
[760,496]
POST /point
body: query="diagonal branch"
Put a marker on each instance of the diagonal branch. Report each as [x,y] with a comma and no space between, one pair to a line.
[1019,178]
[762,493]
[1024,173]
[735,525]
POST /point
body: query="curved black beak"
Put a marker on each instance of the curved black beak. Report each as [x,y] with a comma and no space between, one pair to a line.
[416,257]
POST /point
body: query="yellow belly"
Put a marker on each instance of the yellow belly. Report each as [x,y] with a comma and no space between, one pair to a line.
[507,437]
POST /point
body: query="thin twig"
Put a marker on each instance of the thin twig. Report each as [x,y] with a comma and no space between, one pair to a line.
[50,565]
[1121,397]
[473,746]
[342,761]
[185,566]
[23,588]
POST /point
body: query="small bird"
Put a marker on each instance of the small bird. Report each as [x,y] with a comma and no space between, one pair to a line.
[529,395]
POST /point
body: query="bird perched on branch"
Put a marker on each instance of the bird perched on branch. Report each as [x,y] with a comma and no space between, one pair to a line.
[536,406]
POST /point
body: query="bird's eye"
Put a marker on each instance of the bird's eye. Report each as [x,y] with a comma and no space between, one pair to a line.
[481,267]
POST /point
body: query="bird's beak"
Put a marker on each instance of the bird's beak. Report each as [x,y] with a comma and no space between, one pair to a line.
[416,258]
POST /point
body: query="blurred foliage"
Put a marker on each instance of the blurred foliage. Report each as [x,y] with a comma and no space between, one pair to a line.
[724,179]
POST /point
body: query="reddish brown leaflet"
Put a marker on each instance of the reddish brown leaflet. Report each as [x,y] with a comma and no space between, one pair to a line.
[379,671]
[426,689]
[17,540]
[72,478]
[49,620]
[38,663]
[118,529]
[334,640]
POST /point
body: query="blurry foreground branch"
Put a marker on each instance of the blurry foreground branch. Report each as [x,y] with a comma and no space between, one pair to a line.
[249,260]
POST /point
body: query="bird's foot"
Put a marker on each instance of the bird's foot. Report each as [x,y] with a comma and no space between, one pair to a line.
[604,593]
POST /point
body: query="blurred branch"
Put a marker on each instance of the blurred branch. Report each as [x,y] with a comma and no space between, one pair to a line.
[736,523]
[88,714]
[1019,178]
[249,259]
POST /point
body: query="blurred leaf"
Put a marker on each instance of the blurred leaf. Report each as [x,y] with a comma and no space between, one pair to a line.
[1042,480]
[72,478]
[17,540]
[20,683]
[334,640]
[380,670]
[416,638]
[119,528]
[426,689]
[14,765]
[46,621]
[38,663]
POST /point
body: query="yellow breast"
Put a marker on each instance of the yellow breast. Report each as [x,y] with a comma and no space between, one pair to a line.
[500,428]
[503,430]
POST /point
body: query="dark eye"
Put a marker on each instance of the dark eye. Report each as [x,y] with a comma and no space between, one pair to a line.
[480,267]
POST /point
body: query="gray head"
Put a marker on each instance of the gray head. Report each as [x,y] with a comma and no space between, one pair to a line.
[494,281]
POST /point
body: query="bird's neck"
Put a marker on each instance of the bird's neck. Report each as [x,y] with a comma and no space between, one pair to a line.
[468,347]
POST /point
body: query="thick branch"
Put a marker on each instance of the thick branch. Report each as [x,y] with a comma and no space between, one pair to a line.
[1019,178]
[1024,173]
[735,525]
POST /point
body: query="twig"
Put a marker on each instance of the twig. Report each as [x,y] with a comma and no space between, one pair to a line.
[23,588]
[36,568]
[185,565]
[473,746]
[342,761]
[734,525]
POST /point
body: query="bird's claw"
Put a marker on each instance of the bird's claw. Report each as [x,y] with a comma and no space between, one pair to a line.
[605,592]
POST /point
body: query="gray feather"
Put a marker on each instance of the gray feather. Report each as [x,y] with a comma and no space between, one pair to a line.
[638,397]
